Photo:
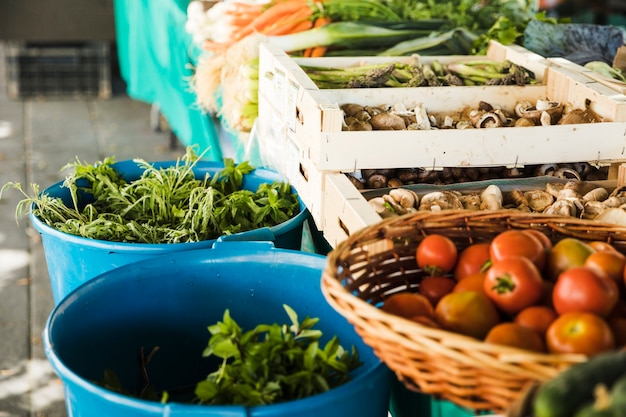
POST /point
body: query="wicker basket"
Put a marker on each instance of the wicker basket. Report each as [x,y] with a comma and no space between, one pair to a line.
[363,270]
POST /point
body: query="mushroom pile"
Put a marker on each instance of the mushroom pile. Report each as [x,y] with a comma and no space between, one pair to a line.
[485,115]
[570,198]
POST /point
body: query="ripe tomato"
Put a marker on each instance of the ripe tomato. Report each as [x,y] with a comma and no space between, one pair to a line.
[513,283]
[584,289]
[467,312]
[472,259]
[515,335]
[517,243]
[434,288]
[537,318]
[436,254]
[407,304]
[473,282]
[566,253]
[601,246]
[611,263]
[542,237]
[583,333]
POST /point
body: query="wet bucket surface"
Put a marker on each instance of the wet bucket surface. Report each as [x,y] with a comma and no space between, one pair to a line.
[169,301]
[72,260]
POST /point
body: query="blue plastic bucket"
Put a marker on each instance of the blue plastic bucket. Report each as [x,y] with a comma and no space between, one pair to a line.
[72,260]
[169,301]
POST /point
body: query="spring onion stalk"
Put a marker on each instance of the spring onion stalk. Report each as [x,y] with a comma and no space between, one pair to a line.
[346,34]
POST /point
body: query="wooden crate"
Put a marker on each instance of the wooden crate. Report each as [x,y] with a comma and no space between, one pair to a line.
[314,118]
[284,90]
[318,130]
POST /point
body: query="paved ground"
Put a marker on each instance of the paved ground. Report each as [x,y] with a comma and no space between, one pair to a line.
[40,137]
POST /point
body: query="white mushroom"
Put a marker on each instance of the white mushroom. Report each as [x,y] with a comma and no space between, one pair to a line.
[539,200]
[491,198]
[406,198]
[562,208]
[440,200]
[380,207]
[597,194]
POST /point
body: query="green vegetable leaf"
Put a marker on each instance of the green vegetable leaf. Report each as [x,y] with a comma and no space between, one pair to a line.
[272,362]
[164,205]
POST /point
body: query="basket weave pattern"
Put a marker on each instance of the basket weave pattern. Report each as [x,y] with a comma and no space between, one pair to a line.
[362,271]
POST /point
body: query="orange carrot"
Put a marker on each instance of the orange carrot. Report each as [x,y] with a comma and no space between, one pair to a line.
[292,28]
[295,22]
[317,51]
[272,14]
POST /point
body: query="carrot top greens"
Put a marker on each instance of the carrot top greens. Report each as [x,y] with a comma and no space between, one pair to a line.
[164,205]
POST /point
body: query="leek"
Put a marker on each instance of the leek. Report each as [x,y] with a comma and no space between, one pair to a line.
[345,34]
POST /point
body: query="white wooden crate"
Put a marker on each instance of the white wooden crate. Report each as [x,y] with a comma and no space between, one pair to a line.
[318,129]
[284,87]
[315,119]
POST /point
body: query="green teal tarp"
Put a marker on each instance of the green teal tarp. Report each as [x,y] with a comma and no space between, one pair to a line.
[156,55]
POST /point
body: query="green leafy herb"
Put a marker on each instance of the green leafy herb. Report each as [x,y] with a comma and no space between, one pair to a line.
[272,363]
[164,205]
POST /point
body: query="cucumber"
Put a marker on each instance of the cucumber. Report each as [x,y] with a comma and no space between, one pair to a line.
[573,388]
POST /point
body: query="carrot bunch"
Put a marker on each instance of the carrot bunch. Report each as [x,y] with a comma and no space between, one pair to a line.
[278,17]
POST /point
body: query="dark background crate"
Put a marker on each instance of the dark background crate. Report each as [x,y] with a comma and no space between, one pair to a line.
[66,70]
[57,20]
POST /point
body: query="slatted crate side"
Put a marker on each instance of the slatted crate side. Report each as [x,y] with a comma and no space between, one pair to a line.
[345,209]
[570,83]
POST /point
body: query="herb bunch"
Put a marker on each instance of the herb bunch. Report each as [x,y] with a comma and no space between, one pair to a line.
[272,363]
[163,205]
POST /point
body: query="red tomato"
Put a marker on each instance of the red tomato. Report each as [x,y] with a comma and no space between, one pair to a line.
[513,283]
[436,254]
[474,282]
[472,259]
[542,237]
[518,243]
[536,317]
[434,288]
[584,289]
[583,333]
[609,262]
[602,246]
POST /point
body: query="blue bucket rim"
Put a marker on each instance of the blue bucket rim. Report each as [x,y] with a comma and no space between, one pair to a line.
[237,249]
[109,245]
